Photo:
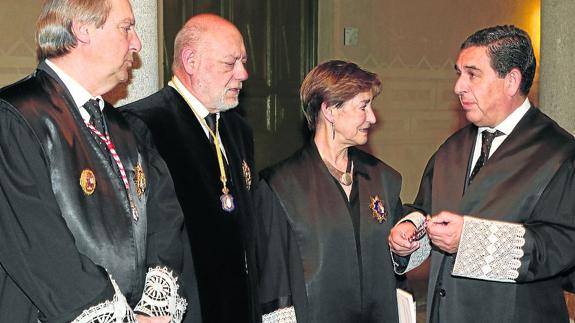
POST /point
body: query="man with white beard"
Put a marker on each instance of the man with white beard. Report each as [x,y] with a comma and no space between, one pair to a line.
[208,148]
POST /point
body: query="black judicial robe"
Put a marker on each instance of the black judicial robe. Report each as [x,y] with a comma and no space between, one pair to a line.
[221,242]
[59,244]
[307,250]
[529,179]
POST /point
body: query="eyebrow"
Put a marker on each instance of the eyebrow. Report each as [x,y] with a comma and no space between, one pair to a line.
[234,57]
[130,21]
[467,67]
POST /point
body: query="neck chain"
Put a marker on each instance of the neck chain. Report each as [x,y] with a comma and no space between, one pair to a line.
[226,198]
[344,178]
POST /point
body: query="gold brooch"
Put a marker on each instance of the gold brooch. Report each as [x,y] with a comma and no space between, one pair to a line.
[88,181]
[247,174]
[140,180]
[378,210]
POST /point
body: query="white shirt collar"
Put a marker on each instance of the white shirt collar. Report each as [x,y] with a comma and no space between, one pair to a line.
[507,125]
[78,92]
[201,111]
[189,97]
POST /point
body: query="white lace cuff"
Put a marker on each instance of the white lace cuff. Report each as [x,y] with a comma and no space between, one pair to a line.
[489,250]
[282,315]
[160,297]
[115,311]
[415,217]
[419,255]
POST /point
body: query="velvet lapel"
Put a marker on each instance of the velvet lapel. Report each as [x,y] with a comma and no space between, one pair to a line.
[62,99]
[372,185]
[194,139]
[451,169]
[373,234]
[122,137]
[318,217]
[233,152]
[533,140]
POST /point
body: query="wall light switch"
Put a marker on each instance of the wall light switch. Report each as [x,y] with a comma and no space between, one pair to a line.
[350,36]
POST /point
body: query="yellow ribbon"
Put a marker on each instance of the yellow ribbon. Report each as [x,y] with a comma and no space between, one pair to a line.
[216,136]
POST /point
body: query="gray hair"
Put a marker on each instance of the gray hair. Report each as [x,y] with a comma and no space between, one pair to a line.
[54,35]
[190,34]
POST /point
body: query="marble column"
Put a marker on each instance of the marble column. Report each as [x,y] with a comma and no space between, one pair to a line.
[145,78]
[557,79]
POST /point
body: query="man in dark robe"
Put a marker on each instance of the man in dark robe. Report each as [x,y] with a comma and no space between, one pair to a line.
[500,192]
[90,228]
[209,151]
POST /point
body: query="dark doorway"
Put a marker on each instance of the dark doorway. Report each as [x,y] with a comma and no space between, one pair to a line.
[281,41]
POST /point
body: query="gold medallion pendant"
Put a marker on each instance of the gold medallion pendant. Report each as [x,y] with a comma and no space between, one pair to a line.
[140,180]
[247,174]
[346,179]
[88,181]
[378,210]
[227,202]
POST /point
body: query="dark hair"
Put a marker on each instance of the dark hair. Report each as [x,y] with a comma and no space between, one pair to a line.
[334,82]
[509,47]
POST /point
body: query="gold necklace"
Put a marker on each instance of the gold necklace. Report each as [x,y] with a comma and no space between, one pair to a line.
[226,198]
[344,178]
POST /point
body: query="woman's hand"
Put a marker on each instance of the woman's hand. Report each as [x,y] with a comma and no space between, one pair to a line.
[399,239]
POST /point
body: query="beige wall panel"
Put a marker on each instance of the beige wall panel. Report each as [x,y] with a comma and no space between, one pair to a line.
[413,45]
[17,49]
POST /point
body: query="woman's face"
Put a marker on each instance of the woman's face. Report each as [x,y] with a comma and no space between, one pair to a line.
[353,119]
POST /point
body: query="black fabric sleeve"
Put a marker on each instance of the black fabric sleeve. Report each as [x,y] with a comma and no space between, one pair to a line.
[165,217]
[550,230]
[167,241]
[37,251]
[273,250]
[422,201]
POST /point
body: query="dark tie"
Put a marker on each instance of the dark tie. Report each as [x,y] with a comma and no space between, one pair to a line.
[96,116]
[486,141]
[211,121]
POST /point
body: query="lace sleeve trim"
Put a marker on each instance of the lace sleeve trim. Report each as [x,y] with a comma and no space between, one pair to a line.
[415,217]
[115,311]
[490,250]
[160,297]
[282,315]
[419,255]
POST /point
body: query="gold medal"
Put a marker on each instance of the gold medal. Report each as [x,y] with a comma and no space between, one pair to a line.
[227,201]
[247,174]
[378,210]
[346,179]
[140,180]
[226,198]
[88,181]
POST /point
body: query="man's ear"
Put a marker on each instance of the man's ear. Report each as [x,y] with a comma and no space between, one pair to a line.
[189,59]
[513,82]
[327,112]
[82,31]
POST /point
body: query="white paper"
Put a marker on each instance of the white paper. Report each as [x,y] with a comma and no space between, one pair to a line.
[405,307]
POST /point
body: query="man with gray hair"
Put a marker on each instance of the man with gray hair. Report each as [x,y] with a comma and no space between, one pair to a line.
[90,228]
[208,148]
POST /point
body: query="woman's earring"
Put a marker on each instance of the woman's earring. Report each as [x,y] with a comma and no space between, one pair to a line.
[332,131]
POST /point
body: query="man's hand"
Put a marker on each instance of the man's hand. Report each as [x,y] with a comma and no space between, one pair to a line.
[152,319]
[444,230]
[399,239]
